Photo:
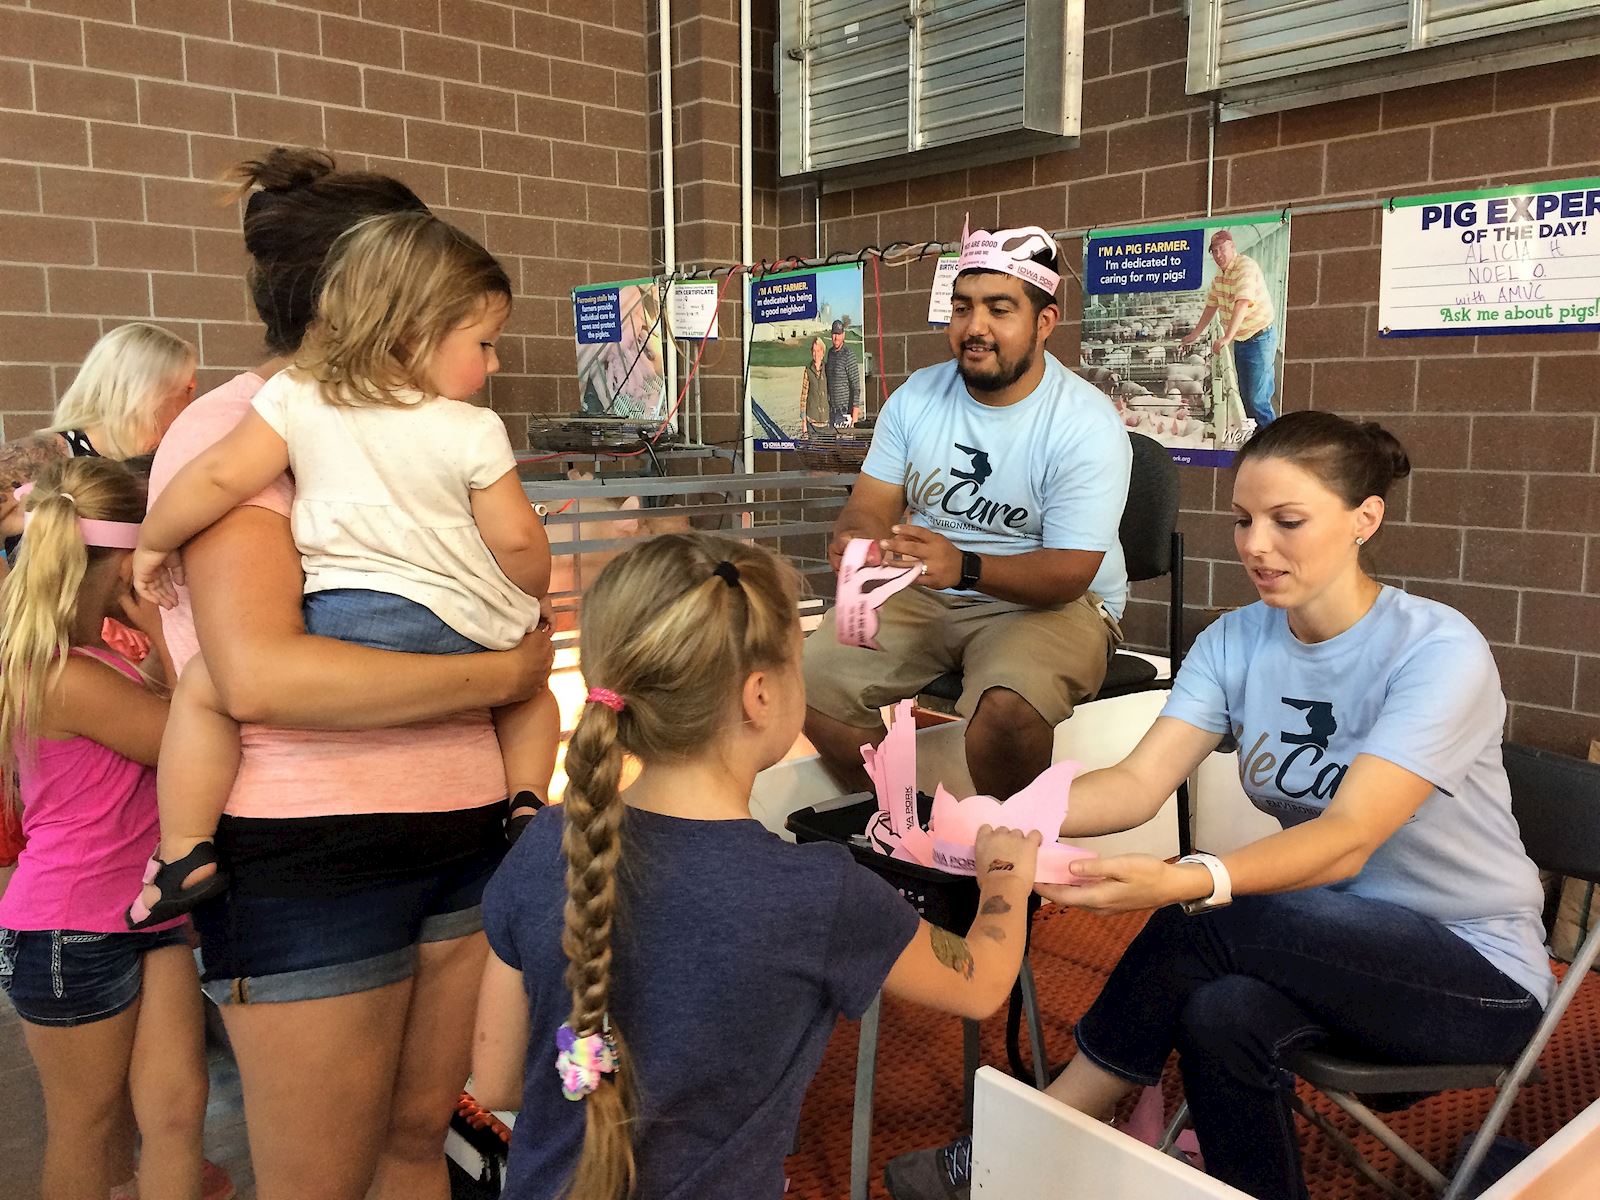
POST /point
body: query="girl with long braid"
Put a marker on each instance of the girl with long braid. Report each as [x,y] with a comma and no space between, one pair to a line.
[681,967]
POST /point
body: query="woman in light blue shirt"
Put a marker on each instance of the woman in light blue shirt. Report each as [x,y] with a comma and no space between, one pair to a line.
[1394,917]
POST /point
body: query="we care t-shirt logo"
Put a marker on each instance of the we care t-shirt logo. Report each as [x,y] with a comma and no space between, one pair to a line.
[962,503]
[1300,765]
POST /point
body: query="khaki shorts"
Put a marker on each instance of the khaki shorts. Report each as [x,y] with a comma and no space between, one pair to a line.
[1052,658]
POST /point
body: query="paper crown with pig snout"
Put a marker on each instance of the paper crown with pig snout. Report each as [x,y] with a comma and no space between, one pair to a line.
[949,842]
[1010,251]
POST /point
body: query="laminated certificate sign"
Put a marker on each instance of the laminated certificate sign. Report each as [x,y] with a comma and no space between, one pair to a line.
[1523,259]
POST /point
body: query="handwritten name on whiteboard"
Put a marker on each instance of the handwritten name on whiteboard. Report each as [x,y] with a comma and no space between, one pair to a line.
[1506,260]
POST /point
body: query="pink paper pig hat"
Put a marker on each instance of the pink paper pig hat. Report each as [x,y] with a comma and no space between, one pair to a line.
[949,842]
[864,585]
[1010,251]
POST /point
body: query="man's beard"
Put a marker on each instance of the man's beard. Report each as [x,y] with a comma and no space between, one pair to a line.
[1002,376]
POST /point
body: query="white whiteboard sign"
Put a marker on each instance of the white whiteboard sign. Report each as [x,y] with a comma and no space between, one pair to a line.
[1519,259]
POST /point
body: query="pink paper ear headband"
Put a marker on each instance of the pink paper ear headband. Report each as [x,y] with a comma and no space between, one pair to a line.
[109,535]
[1009,251]
[864,585]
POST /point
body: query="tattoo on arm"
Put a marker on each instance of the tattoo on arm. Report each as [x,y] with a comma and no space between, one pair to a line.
[952,951]
[1001,864]
[25,459]
[995,906]
[993,932]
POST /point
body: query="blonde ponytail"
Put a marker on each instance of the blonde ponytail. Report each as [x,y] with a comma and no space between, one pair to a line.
[39,600]
[672,627]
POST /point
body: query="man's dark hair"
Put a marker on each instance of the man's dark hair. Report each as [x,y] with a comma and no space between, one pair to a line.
[1037,296]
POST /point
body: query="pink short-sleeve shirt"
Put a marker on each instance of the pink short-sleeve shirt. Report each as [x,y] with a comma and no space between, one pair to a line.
[431,766]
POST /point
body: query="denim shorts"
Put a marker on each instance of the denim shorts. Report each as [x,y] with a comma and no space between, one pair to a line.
[383,621]
[68,977]
[264,949]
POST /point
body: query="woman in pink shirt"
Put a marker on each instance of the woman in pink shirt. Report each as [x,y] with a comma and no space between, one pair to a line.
[346,953]
[105,1012]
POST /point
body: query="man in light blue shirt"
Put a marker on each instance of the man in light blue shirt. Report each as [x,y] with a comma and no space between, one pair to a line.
[1014,473]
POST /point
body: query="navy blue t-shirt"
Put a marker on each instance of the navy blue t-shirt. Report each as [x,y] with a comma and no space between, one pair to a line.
[734,953]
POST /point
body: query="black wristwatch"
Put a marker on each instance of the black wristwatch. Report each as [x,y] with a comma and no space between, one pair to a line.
[971,568]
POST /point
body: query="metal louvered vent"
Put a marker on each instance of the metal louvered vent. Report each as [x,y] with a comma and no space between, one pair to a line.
[1265,55]
[866,80]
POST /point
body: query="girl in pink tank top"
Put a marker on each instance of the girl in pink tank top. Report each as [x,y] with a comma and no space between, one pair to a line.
[79,734]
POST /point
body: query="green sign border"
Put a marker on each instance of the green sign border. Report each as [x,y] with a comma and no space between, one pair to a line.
[1518,189]
[621,283]
[844,266]
[1272,218]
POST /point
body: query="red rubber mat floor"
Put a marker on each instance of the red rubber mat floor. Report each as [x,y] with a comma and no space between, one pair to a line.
[919,1077]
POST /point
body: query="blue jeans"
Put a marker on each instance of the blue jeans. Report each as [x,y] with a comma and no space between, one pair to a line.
[1238,990]
[267,949]
[1255,360]
[382,621]
[69,977]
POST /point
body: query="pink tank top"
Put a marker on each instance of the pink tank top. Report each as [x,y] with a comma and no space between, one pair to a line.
[89,817]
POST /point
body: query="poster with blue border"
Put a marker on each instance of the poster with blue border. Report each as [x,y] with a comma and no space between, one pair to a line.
[621,368]
[1522,259]
[807,369]
[1183,329]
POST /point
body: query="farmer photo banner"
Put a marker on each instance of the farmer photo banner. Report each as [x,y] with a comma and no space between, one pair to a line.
[1183,329]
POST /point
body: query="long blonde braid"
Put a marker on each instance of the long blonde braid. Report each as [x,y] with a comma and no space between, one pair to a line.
[675,639]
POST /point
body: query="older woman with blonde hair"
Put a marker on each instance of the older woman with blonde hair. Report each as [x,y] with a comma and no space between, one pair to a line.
[131,387]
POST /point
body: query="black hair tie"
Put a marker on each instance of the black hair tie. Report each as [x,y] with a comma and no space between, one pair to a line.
[727,572]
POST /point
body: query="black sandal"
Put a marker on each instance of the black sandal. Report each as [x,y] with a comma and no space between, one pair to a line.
[524,807]
[175,898]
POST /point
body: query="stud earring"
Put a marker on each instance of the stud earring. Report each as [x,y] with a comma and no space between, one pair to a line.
[1361,541]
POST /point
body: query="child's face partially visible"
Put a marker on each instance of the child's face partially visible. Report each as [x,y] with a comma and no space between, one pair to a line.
[465,357]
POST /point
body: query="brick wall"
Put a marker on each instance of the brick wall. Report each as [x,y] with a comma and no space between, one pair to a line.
[533,124]
[1502,515]
[525,123]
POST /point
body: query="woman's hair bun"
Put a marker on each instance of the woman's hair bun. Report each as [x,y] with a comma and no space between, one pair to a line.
[283,168]
[1389,456]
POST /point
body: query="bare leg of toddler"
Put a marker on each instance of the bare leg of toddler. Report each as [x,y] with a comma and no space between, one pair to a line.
[199,758]
[530,734]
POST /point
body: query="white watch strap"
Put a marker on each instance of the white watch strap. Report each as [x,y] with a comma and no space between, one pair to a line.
[1221,882]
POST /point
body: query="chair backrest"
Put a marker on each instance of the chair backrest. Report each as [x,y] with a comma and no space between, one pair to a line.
[1151,513]
[1556,799]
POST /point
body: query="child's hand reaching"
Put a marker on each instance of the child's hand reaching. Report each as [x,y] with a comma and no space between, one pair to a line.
[1006,852]
[157,576]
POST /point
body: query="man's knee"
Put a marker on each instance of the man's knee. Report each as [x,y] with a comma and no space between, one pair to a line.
[1004,717]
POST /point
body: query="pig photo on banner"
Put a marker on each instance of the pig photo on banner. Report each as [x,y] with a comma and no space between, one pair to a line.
[807,361]
[621,369]
[1183,329]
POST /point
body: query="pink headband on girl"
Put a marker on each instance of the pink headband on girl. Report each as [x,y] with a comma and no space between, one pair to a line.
[949,842]
[1010,251]
[109,535]
[864,585]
